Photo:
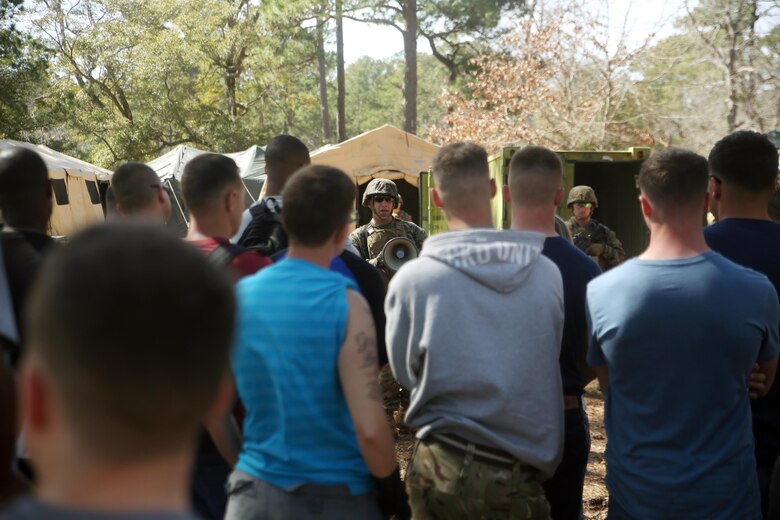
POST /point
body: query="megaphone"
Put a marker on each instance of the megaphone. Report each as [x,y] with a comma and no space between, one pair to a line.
[397,252]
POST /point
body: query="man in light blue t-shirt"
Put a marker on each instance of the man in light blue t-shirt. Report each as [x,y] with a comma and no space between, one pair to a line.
[673,337]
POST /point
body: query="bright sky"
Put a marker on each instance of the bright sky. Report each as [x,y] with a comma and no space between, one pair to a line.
[642,19]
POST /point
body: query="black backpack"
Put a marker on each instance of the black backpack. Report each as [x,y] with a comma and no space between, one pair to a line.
[264,233]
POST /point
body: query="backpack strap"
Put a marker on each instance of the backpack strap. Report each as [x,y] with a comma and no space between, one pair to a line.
[265,232]
[222,256]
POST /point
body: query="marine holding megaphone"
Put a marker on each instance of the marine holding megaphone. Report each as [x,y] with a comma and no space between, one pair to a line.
[378,241]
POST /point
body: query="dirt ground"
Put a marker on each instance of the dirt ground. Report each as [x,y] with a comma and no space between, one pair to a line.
[595,493]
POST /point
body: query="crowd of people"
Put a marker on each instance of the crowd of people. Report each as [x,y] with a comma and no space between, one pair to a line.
[235,373]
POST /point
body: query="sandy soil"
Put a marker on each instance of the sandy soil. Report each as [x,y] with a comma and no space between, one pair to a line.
[594,494]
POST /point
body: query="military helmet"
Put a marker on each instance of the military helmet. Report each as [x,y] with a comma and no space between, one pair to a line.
[582,194]
[380,187]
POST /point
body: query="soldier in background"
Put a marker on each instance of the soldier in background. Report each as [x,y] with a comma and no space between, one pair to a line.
[594,238]
[381,196]
[399,212]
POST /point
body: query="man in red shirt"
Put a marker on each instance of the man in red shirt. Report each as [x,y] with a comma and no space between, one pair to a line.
[213,193]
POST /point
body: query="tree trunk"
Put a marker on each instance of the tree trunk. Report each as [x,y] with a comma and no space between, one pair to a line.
[327,135]
[340,94]
[230,92]
[410,66]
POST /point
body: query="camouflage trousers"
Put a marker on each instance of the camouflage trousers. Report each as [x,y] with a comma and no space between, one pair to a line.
[444,484]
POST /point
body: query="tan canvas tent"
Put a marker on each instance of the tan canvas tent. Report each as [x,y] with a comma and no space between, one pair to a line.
[386,152]
[75,184]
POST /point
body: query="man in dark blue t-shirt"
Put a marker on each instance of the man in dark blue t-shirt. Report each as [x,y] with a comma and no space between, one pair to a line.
[536,189]
[743,168]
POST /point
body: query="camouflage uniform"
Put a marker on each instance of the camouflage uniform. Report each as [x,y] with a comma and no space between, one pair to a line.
[597,233]
[438,479]
[370,239]
[594,232]
[403,215]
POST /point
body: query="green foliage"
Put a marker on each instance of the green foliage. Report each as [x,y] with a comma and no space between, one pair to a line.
[717,74]
[456,30]
[374,93]
[22,73]
[148,75]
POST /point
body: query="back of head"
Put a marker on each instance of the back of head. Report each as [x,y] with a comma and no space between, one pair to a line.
[134,185]
[205,179]
[745,160]
[25,193]
[318,202]
[675,180]
[284,154]
[535,175]
[460,171]
[132,330]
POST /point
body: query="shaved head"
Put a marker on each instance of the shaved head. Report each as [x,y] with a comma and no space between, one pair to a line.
[132,184]
[460,171]
[284,155]
[535,175]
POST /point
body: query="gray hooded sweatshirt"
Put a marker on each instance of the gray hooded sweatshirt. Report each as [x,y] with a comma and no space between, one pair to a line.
[474,331]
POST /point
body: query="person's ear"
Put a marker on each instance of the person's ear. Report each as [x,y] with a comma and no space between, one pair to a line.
[647,207]
[558,197]
[34,398]
[232,198]
[437,198]
[493,188]
[715,188]
[506,193]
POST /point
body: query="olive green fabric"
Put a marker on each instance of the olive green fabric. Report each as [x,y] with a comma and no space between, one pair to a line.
[370,239]
[585,237]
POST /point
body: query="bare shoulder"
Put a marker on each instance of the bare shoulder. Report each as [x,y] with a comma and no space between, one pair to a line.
[357,303]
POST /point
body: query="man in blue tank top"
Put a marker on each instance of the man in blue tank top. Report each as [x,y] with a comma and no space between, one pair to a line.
[316,440]
[674,335]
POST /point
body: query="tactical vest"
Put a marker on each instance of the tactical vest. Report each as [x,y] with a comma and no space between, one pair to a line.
[264,233]
[377,237]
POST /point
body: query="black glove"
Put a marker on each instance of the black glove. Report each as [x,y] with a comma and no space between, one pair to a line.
[391,496]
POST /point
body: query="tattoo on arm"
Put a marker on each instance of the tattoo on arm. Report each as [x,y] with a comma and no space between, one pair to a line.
[366,345]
